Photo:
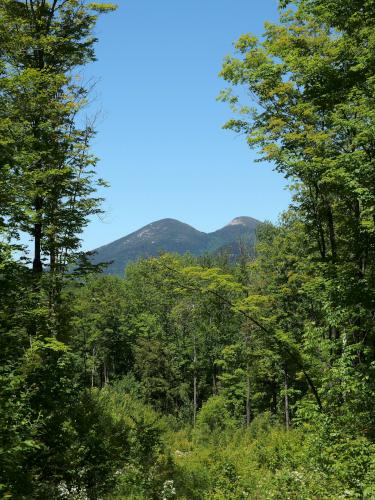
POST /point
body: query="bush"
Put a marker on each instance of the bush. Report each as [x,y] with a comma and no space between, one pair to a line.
[149,463]
[213,420]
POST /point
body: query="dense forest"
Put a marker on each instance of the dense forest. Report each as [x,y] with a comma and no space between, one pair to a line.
[191,377]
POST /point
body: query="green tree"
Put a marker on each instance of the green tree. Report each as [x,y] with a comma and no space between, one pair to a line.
[99,328]
[46,188]
[312,78]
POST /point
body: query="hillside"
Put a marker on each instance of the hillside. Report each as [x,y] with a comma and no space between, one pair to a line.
[170,235]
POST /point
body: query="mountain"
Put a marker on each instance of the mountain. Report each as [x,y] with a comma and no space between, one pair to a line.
[170,235]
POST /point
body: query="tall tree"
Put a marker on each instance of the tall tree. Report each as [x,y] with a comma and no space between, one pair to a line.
[312,80]
[47,154]
[47,185]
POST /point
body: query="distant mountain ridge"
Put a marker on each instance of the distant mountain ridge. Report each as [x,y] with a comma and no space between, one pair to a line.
[171,235]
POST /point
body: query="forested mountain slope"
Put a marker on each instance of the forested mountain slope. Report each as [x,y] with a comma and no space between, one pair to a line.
[170,235]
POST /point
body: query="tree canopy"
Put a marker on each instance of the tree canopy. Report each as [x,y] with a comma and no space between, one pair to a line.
[191,377]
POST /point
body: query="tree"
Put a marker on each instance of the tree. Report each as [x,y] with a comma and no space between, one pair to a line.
[46,188]
[48,162]
[100,332]
[312,80]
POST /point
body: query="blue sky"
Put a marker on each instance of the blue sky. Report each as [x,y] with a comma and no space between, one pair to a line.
[160,136]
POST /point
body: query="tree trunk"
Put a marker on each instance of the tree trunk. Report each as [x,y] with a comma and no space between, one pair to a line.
[318,222]
[214,383]
[194,382]
[37,261]
[93,368]
[274,398]
[331,231]
[105,374]
[248,404]
[286,399]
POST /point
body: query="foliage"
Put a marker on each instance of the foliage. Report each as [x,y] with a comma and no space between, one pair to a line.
[54,434]
[191,378]
[149,465]
[263,461]
[213,419]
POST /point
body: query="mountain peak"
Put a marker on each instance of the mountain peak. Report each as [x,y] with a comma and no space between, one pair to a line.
[244,221]
[168,222]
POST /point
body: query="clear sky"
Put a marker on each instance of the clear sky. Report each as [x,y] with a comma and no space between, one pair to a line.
[160,136]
